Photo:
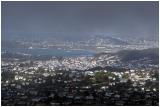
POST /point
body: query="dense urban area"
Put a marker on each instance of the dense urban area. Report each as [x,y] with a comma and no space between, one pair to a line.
[126,77]
[80,53]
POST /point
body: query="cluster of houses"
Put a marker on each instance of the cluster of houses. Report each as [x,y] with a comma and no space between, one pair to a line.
[38,85]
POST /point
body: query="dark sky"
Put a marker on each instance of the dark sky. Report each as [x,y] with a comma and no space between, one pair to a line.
[80,19]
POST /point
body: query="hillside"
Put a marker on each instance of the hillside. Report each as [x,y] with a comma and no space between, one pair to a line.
[129,55]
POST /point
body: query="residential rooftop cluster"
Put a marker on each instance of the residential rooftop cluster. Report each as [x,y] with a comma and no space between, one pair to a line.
[77,81]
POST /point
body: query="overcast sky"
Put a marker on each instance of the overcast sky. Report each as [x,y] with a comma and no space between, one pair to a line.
[80,19]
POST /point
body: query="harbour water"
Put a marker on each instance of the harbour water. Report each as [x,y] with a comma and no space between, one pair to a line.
[48,52]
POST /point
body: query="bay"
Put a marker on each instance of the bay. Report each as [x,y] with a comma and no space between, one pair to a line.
[48,52]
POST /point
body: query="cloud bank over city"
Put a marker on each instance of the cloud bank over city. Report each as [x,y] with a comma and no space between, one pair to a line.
[80,19]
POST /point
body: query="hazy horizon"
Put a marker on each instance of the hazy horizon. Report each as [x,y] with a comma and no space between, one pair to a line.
[77,20]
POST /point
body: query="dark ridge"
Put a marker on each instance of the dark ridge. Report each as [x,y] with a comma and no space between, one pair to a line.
[129,55]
